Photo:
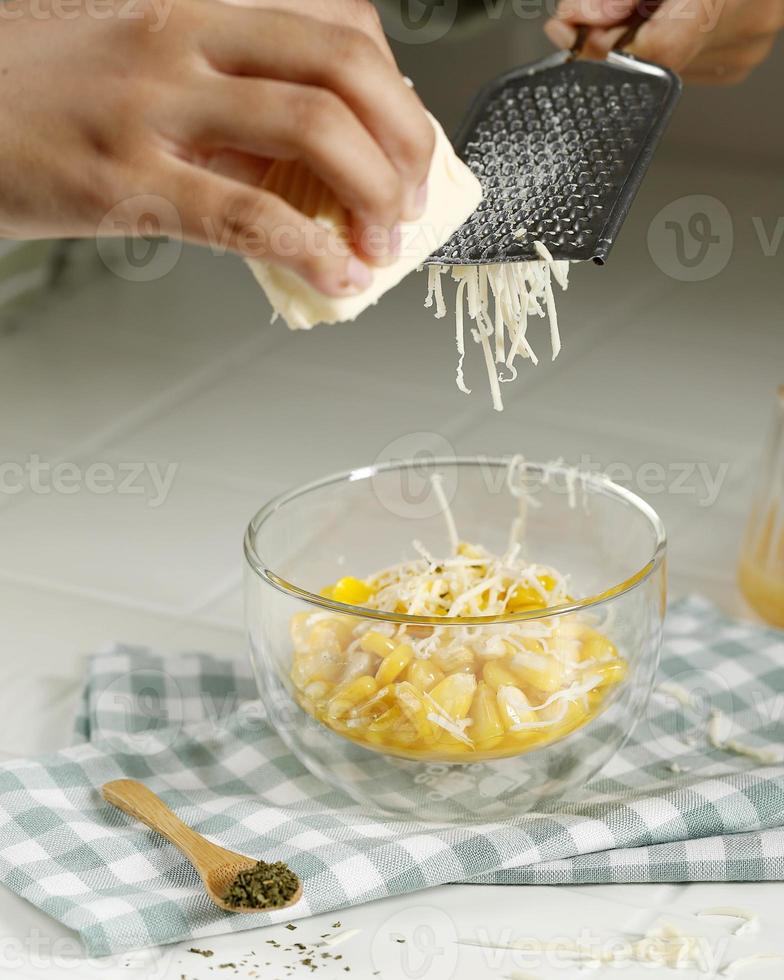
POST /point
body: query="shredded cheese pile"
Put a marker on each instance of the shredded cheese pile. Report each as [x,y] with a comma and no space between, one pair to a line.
[518,290]
[472,582]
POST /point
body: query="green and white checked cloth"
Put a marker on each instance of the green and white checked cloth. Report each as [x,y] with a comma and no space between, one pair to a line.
[225,772]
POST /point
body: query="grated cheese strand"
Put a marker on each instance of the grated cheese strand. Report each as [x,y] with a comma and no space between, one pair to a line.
[460,339]
[341,937]
[749,923]
[766,757]
[437,482]
[518,290]
[681,694]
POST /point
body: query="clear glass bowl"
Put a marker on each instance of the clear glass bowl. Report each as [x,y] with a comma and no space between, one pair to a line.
[609,542]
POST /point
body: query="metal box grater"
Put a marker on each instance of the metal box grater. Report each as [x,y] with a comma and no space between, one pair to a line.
[560,148]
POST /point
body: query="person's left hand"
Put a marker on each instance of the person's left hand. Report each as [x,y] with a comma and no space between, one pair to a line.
[716,42]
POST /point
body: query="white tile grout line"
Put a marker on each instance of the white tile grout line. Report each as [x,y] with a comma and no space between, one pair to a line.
[221,590]
[41,584]
[738,453]
[201,380]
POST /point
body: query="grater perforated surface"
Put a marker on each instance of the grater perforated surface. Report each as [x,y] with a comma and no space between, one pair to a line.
[560,148]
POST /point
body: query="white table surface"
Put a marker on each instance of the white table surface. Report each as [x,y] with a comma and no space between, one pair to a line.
[186,370]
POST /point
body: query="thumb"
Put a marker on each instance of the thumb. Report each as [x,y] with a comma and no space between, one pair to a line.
[675,34]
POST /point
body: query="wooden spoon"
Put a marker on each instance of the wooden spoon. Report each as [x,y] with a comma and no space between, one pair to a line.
[216,866]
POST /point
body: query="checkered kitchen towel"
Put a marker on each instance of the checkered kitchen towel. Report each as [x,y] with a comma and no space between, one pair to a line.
[225,772]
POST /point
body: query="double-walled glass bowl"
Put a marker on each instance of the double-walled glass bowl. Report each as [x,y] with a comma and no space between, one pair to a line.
[305,645]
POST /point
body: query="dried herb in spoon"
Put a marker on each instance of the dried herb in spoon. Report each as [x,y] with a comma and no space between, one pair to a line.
[264,886]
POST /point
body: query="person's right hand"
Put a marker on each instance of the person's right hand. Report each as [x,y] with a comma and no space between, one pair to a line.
[99,112]
[717,43]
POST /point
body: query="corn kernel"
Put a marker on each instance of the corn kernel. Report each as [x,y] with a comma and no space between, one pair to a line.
[318,690]
[325,637]
[400,734]
[393,728]
[388,719]
[538,670]
[419,631]
[454,694]
[453,660]
[423,674]
[376,706]
[597,647]
[486,729]
[569,718]
[496,675]
[416,709]
[568,626]
[611,672]
[447,742]
[324,665]
[300,631]
[349,695]
[352,591]
[375,642]
[300,676]
[525,597]
[358,663]
[514,707]
[495,648]
[394,664]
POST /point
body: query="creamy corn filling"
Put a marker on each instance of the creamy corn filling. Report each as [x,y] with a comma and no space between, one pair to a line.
[454,692]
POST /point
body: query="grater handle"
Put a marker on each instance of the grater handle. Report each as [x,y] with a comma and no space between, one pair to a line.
[644,10]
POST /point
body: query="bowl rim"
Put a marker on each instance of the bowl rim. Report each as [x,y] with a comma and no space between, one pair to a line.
[597,481]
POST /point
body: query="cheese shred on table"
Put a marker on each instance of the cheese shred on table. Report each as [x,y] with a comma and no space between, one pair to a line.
[515,291]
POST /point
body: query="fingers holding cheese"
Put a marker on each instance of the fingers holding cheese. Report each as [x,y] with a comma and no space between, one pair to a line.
[232,216]
[284,121]
[344,62]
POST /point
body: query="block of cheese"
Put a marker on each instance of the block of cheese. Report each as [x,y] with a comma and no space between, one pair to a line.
[453,193]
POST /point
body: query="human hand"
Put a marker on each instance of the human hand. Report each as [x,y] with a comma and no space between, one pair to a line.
[98,113]
[717,42]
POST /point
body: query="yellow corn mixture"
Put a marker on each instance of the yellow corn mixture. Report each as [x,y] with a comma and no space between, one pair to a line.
[458,692]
